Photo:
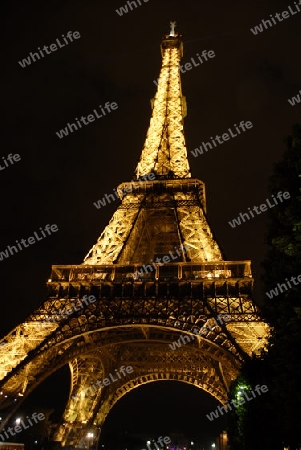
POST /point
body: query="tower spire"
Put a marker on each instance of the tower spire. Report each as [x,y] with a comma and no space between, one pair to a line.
[164,152]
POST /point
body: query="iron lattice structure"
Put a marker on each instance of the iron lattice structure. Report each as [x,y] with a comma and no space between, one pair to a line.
[143,302]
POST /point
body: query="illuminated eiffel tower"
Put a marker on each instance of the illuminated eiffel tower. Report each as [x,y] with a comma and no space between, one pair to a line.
[157,274]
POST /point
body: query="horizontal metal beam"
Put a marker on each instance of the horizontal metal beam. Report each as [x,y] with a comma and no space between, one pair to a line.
[217,270]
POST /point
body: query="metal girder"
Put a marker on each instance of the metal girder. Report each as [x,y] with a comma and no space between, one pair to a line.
[151,358]
[171,314]
[164,150]
[182,312]
[183,202]
[144,344]
[113,238]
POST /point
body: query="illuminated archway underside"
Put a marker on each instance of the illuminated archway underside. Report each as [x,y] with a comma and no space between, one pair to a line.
[210,362]
[135,318]
[94,347]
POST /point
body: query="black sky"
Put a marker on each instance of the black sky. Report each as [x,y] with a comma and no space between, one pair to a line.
[116,59]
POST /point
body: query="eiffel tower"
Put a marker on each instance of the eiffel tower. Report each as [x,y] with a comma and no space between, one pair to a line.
[155,275]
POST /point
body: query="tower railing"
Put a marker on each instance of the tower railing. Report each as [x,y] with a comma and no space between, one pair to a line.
[153,271]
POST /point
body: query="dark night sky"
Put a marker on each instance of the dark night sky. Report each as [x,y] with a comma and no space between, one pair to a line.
[116,59]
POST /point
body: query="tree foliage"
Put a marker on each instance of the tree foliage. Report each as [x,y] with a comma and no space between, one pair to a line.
[274,421]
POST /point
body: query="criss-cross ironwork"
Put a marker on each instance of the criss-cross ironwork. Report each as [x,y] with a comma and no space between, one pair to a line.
[151,293]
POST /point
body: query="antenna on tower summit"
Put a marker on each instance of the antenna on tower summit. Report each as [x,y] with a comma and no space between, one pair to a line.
[172,29]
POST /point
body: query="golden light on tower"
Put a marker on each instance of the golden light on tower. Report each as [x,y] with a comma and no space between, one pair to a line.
[134,319]
[164,150]
[165,156]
